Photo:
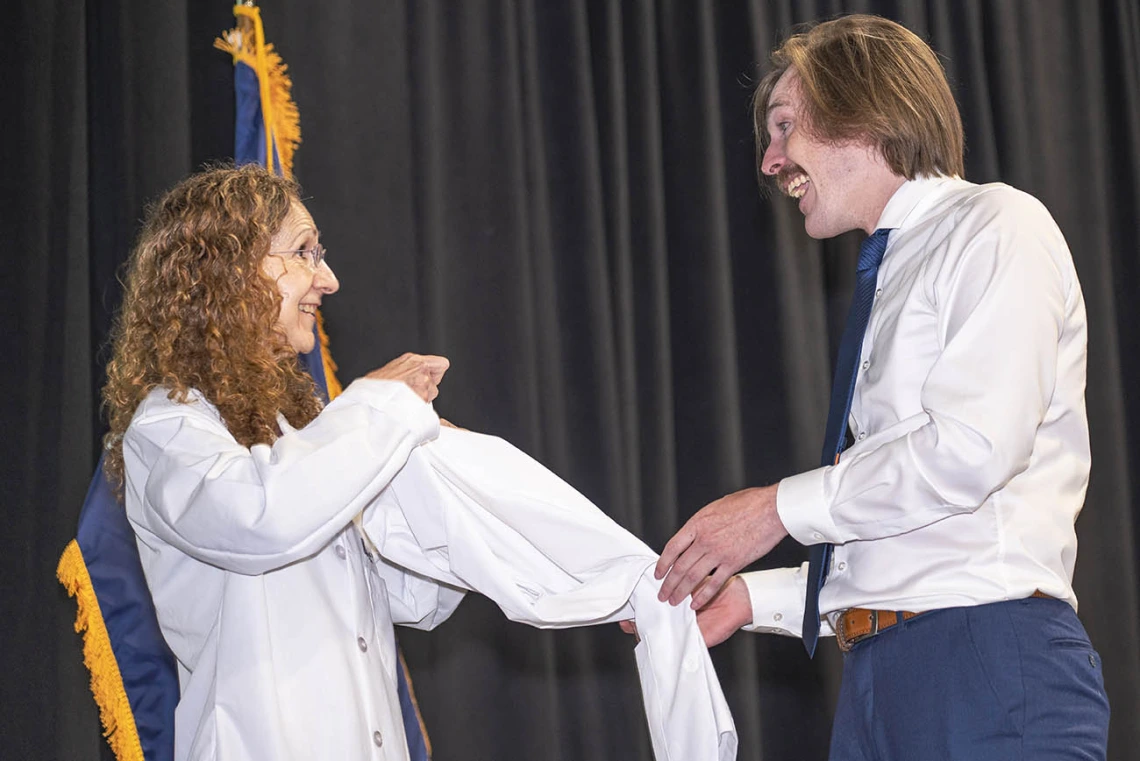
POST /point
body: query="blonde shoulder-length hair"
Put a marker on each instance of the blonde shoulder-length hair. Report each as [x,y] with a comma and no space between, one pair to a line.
[867,78]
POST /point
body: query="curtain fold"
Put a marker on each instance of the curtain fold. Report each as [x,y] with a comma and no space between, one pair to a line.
[48,411]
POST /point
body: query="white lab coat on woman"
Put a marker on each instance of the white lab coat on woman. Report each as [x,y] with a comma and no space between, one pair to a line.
[280,616]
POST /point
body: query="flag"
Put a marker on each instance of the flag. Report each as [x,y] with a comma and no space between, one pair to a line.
[267,131]
[134,678]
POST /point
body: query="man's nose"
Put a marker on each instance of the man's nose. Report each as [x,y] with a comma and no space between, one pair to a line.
[773,159]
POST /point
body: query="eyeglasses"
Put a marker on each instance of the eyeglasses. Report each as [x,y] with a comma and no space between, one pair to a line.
[312,256]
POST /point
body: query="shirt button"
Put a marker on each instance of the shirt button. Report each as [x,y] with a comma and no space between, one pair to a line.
[340,553]
[817,535]
[378,739]
[778,617]
[879,292]
[842,566]
[866,363]
[362,644]
[862,435]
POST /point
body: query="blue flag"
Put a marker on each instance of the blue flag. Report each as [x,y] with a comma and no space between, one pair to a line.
[133,675]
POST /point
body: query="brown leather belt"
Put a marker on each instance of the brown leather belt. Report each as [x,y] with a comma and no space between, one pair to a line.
[857,624]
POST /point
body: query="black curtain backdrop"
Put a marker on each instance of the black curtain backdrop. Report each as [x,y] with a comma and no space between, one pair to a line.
[560,197]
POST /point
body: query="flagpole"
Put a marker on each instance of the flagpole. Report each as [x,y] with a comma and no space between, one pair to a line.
[249,14]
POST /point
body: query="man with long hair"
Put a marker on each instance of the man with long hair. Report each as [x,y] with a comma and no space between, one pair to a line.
[956,460]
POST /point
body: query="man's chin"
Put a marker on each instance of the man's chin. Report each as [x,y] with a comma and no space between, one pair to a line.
[814,230]
[819,229]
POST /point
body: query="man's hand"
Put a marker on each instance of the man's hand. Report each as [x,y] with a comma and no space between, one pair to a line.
[722,538]
[422,373]
[729,610]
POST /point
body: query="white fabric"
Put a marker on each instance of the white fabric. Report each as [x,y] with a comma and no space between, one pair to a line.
[971,456]
[475,512]
[281,626]
[281,622]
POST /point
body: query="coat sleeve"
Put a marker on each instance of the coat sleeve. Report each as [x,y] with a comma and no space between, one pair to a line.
[251,510]
[473,511]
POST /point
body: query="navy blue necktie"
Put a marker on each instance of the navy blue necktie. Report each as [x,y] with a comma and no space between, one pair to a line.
[842,389]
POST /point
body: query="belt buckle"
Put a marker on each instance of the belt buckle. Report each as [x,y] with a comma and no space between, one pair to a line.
[841,638]
[840,634]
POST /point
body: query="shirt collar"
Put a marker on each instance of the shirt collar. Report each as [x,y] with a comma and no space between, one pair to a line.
[912,199]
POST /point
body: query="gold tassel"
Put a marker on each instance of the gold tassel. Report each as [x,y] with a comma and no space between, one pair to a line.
[106,680]
[331,381]
[415,703]
[246,43]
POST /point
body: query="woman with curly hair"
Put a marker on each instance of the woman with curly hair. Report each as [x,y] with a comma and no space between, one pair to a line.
[242,487]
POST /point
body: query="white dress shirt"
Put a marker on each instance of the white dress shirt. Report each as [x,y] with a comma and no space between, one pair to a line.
[971,453]
[281,618]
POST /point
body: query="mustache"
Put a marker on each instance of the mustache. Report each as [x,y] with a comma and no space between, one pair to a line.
[785,175]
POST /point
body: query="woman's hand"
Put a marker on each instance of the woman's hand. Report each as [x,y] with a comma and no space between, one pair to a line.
[727,611]
[422,373]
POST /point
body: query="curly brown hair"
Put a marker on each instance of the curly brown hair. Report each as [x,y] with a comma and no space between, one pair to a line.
[198,313]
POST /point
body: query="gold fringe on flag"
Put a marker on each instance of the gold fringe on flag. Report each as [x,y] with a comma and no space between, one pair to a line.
[331,381]
[246,43]
[106,680]
[415,703]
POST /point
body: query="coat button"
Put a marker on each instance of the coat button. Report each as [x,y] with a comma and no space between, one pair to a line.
[340,553]
[362,644]
[378,739]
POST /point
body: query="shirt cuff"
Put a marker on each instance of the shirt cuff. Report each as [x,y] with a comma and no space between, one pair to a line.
[804,511]
[777,597]
[395,399]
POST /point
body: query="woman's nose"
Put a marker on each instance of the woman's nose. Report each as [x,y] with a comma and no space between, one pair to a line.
[325,279]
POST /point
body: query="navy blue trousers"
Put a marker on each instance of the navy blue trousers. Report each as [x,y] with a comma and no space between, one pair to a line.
[1000,682]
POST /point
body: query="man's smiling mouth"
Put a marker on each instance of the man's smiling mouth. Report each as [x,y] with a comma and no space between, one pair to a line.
[797,187]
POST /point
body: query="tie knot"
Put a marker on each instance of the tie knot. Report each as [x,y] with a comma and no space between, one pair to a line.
[872,250]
